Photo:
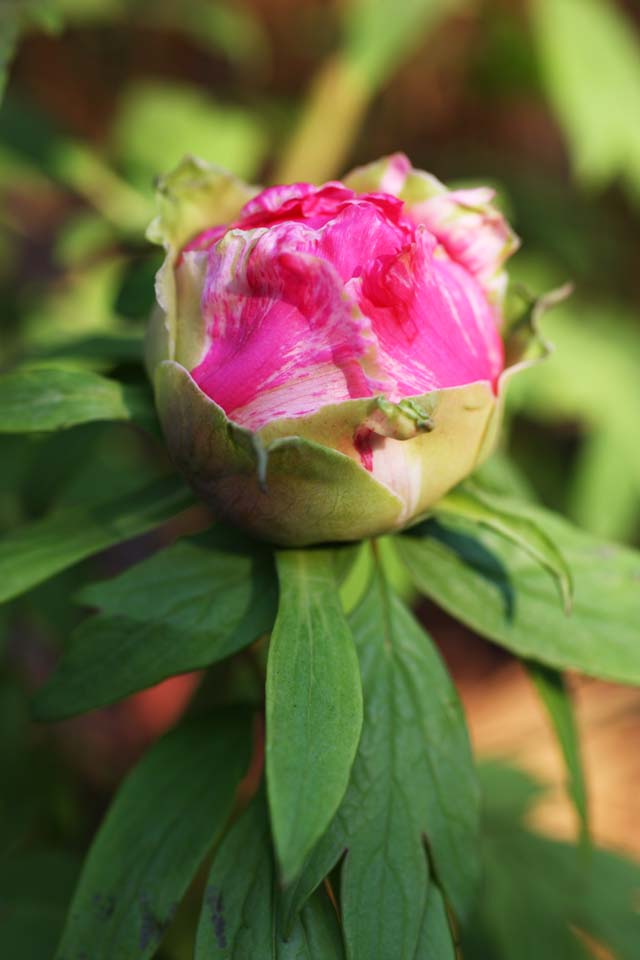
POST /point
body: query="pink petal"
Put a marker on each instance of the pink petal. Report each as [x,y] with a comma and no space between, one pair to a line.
[434,326]
[285,339]
[321,295]
[472,231]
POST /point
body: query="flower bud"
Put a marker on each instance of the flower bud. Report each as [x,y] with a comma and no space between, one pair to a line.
[327,360]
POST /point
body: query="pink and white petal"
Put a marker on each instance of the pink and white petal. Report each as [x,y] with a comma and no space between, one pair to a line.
[472,231]
[301,202]
[284,338]
[273,198]
[360,232]
[434,326]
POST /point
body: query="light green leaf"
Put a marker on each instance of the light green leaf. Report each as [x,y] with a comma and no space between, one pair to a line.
[557,701]
[511,519]
[43,399]
[604,495]
[413,779]
[229,136]
[314,705]
[498,590]
[187,607]
[380,33]
[594,84]
[239,918]
[36,552]
[604,491]
[163,821]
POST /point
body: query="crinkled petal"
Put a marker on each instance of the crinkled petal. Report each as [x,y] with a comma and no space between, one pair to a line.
[431,319]
[284,337]
[471,230]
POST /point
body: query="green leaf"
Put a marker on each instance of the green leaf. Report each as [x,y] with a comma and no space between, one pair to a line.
[53,399]
[594,106]
[513,520]
[314,705]
[35,888]
[605,491]
[498,590]
[228,136]
[164,819]
[36,552]
[381,33]
[435,941]
[413,779]
[182,609]
[108,348]
[561,891]
[553,692]
[239,918]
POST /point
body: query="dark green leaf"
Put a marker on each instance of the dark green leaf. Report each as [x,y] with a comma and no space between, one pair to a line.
[109,347]
[435,940]
[153,839]
[513,520]
[560,889]
[556,698]
[503,594]
[34,553]
[314,705]
[188,606]
[34,892]
[413,778]
[40,399]
[239,919]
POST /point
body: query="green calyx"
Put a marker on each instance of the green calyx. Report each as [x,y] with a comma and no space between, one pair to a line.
[288,490]
[300,481]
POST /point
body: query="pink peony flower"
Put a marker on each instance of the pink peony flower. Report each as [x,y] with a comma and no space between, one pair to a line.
[328,359]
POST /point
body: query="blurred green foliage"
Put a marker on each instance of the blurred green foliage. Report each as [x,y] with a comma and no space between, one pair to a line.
[540,98]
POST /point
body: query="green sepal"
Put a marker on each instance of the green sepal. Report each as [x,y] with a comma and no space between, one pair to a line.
[288,490]
[524,343]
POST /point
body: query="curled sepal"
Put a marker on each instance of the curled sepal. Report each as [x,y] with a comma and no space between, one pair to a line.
[291,491]
[524,343]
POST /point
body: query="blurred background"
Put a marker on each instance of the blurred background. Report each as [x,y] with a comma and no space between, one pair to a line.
[539,98]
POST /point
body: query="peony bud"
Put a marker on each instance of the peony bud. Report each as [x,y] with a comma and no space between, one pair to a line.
[327,360]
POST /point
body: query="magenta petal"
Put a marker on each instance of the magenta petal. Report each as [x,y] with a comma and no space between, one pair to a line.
[284,337]
[294,202]
[317,295]
[432,320]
